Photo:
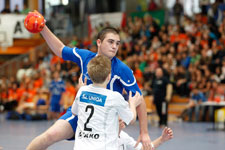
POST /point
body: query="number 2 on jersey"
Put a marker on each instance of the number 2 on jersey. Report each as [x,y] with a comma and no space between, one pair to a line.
[89,117]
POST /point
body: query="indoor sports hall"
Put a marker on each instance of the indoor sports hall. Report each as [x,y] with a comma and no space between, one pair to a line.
[170,51]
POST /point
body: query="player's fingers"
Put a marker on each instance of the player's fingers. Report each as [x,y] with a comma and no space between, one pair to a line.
[37,12]
[165,129]
[85,81]
[130,94]
[122,125]
[80,78]
[146,146]
[169,131]
[137,93]
[138,141]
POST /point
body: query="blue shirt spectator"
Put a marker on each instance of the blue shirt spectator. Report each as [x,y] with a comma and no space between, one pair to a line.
[198,96]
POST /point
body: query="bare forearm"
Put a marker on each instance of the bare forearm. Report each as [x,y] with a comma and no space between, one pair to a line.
[158,142]
[142,116]
[53,42]
[133,110]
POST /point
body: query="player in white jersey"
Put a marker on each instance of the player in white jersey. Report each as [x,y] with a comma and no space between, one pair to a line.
[99,109]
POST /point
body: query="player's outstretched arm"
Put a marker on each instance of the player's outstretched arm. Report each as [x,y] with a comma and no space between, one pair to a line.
[53,42]
[167,134]
[134,102]
[35,23]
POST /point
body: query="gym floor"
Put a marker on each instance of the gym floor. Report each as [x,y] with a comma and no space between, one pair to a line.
[15,135]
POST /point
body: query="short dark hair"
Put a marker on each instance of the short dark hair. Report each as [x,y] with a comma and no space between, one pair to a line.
[104,31]
[99,68]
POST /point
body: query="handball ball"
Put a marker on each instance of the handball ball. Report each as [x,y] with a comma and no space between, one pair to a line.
[34,22]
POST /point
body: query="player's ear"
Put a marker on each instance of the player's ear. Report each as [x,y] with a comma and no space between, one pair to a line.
[109,77]
[98,42]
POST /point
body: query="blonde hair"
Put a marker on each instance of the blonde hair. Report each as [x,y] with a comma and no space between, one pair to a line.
[99,68]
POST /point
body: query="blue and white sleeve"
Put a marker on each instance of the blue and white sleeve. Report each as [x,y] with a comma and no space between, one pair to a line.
[75,54]
[129,81]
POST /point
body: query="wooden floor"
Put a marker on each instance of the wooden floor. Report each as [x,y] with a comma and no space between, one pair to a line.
[15,135]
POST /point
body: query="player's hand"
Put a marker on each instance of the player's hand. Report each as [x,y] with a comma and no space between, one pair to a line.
[80,82]
[145,140]
[167,134]
[135,99]
[35,11]
[40,14]
[121,124]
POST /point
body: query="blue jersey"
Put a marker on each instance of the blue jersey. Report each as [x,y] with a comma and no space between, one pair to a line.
[121,75]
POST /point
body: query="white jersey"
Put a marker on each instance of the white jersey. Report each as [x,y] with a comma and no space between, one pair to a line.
[98,125]
[126,142]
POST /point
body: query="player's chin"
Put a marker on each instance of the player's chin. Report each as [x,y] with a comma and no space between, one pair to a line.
[111,54]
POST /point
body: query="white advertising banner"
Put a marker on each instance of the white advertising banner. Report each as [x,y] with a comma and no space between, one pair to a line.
[12,26]
[114,19]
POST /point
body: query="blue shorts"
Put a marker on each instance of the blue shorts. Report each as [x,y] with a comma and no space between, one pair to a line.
[55,107]
[68,116]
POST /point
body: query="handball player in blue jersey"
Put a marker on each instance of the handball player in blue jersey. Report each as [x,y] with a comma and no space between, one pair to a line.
[108,42]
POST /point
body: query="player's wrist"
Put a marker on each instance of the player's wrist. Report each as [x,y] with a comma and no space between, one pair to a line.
[143,132]
[161,140]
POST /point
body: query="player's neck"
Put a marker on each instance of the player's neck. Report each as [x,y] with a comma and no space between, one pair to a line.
[102,85]
[104,55]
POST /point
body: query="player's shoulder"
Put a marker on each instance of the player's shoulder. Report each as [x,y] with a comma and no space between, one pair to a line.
[79,52]
[84,87]
[84,51]
[119,65]
[114,94]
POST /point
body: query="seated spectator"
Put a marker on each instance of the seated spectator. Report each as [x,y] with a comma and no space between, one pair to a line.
[69,95]
[25,10]
[6,10]
[197,97]
[38,81]
[26,103]
[3,95]
[41,107]
[218,76]
[181,83]
[13,96]
[217,92]
[16,10]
